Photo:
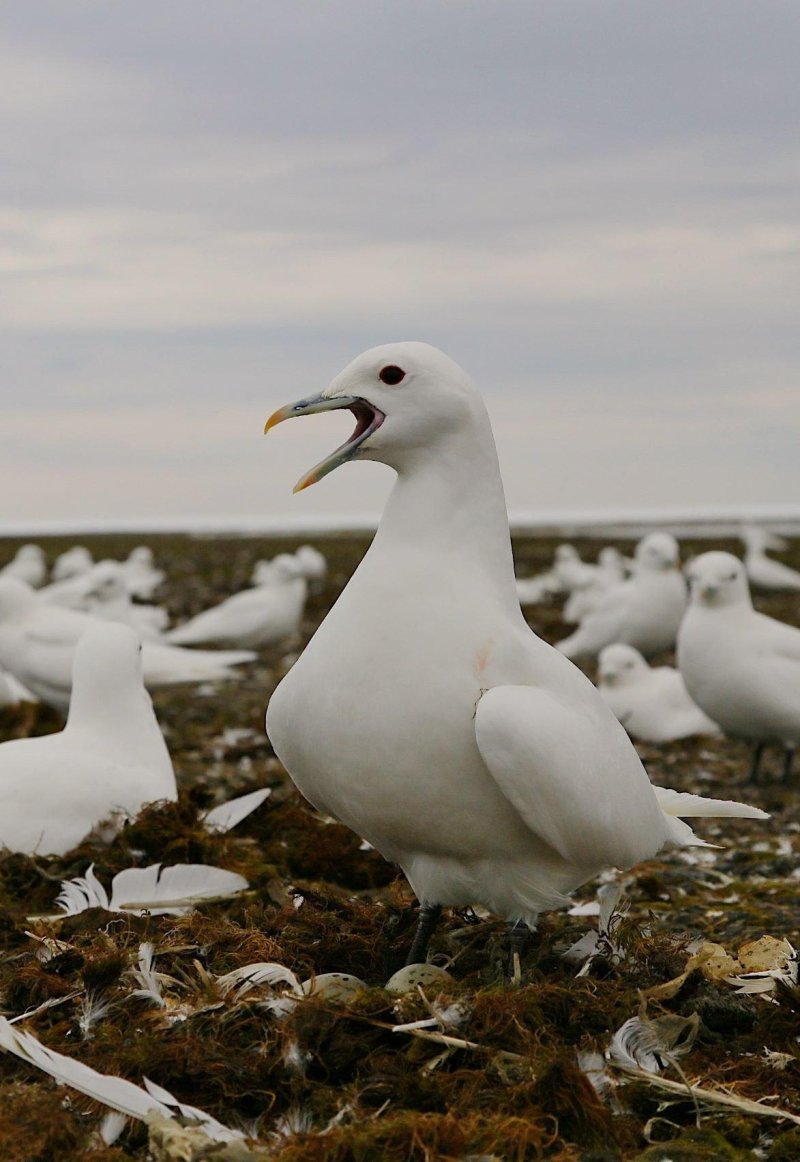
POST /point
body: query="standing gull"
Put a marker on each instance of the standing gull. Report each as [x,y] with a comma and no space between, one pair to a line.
[424,713]
[741,667]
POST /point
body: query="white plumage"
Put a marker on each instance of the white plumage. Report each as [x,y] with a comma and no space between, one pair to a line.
[644,611]
[609,572]
[652,703]
[72,562]
[762,571]
[258,617]
[741,667]
[28,565]
[141,576]
[37,644]
[102,590]
[13,692]
[110,756]
[424,713]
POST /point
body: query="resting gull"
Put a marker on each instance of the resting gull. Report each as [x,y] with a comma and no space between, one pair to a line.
[110,756]
[37,644]
[762,571]
[28,565]
[651,702]
[644,611]
[254,618]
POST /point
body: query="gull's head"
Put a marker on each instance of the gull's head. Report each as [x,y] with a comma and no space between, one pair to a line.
[406,397]
[16,598]
[107,666]
[619,665]
[717,580]
[105,582]
[610,558]
[72,562]
[566,554]
[312,562]
[30,553]
[286,568]
[657,552]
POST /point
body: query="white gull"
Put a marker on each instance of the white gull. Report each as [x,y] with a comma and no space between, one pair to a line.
[110,756]
[741,667]
[651,702]
[424,713]
[644,611]
[37,644]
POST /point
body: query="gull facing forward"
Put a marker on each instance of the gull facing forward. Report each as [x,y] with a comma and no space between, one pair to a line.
[424,713]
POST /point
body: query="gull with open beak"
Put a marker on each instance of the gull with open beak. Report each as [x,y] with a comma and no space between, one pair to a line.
[368,420]
[424,713]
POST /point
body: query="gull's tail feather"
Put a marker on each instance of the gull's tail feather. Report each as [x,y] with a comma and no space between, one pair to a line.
[682,805]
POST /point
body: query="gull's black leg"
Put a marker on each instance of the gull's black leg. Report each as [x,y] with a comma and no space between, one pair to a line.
[519,935]
[788,763]
[755,766]
[428,917]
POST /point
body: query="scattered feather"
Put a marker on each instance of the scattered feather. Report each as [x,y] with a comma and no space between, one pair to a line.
[91,1010]
[265,972]
[231,813]
[158,890]
[112,1126]
[652,1045]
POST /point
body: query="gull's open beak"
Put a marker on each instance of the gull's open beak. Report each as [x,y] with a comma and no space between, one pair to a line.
[368,420]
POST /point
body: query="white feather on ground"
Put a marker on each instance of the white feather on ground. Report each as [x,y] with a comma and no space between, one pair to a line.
[114,1092]
[155,889]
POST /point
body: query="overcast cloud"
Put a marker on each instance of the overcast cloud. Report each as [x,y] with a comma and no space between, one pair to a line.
[206,209]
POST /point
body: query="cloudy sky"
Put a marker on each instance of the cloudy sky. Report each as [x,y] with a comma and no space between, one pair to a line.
[207,209]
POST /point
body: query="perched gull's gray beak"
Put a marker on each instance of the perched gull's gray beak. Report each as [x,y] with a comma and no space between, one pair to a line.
[368,420]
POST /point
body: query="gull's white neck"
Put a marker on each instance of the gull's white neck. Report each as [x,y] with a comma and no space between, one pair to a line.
[448,503]
[125,719]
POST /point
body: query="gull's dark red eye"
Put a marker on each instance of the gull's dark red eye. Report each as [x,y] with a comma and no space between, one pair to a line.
[391,374]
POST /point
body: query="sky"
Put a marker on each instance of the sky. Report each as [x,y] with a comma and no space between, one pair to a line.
[207,209]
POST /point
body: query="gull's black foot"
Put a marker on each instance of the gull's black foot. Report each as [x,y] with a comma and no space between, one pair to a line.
[755,766]
[519,936]
[788,763]
[426,924]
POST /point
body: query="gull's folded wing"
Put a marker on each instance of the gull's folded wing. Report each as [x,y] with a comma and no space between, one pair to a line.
[572,774]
